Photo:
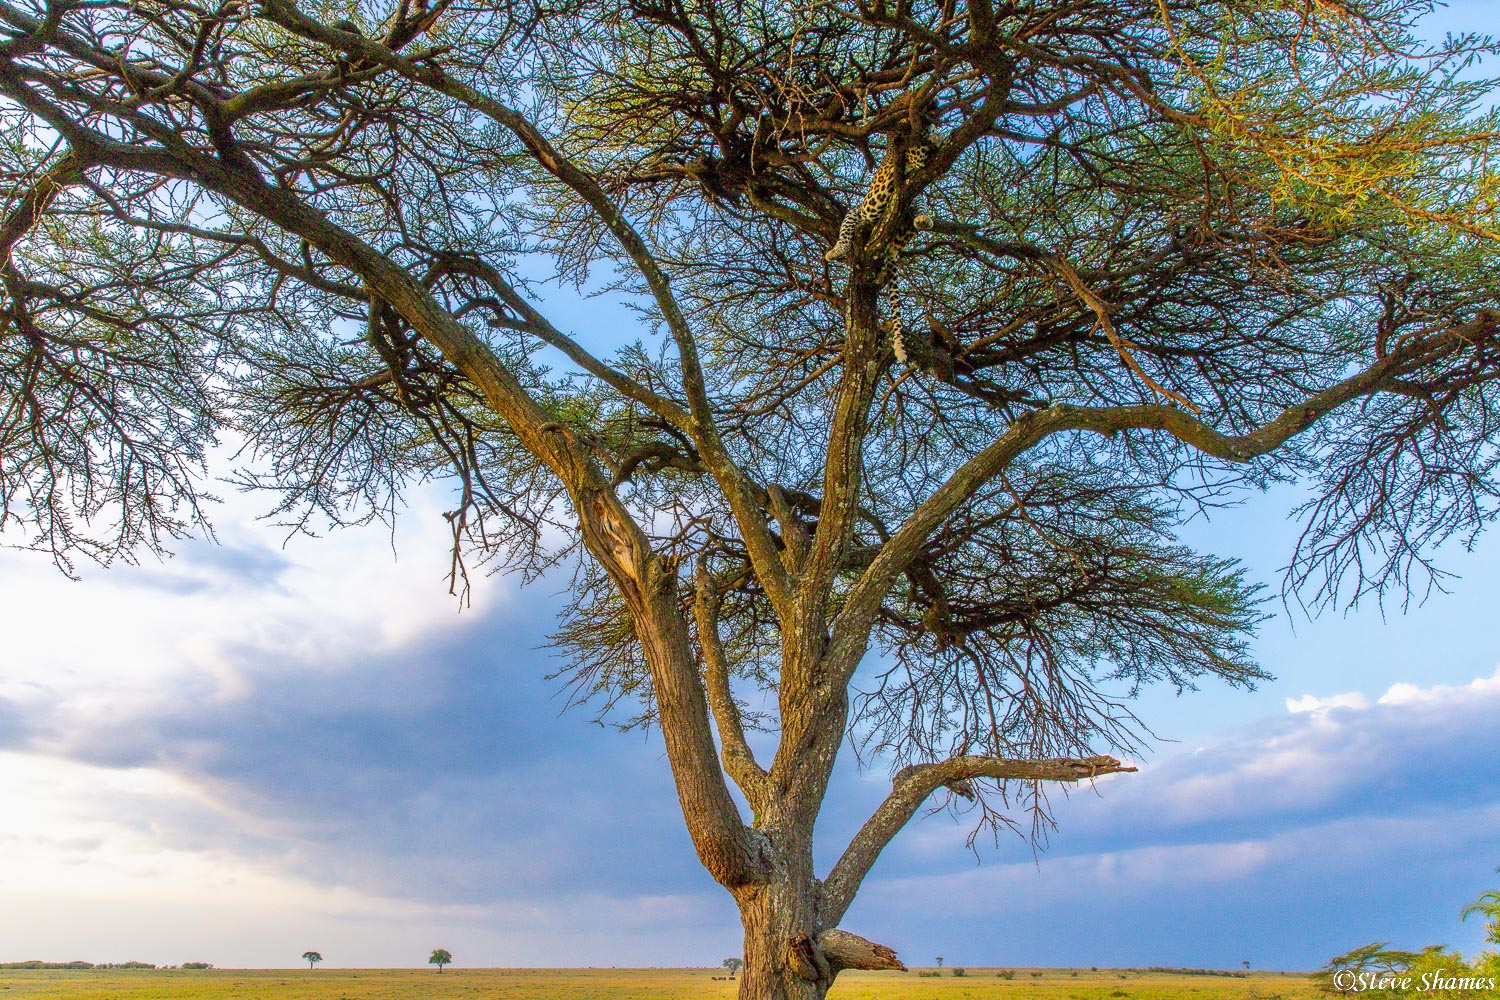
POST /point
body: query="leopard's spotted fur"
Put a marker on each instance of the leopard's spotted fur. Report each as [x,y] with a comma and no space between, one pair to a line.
[892,269]
[881,196]
[879,201]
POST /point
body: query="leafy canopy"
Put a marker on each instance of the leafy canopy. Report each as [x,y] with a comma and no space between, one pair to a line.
[1178,250]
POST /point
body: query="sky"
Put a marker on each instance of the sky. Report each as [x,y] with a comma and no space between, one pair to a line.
[251,750]
[262,747]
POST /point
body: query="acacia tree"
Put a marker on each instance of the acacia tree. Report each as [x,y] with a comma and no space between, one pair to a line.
[311,958]
[440,957]
[1487,906]
[1123,260]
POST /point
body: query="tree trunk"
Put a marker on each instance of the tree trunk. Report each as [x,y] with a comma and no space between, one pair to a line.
[788,956]
[782,961]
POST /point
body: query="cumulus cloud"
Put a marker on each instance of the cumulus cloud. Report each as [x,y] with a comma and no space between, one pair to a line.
[1348,820]
[1312,703]
[319,730]
[323,727]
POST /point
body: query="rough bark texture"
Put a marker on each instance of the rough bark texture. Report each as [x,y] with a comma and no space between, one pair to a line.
[845,950]
[781,961]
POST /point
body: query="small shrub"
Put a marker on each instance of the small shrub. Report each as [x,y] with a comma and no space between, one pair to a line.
[959,972]
[1036,975]
[1006,974]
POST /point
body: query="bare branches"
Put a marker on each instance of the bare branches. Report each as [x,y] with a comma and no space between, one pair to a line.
[911,787]
[1386,375]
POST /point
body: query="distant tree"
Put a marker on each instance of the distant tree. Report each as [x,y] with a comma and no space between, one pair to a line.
[439,957]
[312,958]
[940,961]
[733,965]
[1487,905]
[1246,964]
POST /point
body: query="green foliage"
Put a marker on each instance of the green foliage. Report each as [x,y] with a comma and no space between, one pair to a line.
[36,964]
[311,958]
[1488,907]
[440,957]
[1373,959]
[1173,970]
[1384,973]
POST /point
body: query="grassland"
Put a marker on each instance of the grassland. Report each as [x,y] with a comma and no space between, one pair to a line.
[624,984]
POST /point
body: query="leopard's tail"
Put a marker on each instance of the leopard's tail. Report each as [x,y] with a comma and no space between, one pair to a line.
[898,343]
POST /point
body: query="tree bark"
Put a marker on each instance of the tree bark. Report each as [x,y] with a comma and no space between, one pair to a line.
[782,961]
[789,954]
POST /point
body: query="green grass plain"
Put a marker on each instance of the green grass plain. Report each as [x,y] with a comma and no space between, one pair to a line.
[626,984]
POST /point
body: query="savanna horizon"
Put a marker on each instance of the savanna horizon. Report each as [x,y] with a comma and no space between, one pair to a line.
[928,983]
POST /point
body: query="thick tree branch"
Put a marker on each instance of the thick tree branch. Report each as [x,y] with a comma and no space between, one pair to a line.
[845,950]
[739,760]
[851,627]
[534,322]
[739,490]
[911,787]
[32,203]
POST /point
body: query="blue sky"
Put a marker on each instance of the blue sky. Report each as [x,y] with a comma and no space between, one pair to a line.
[254,749]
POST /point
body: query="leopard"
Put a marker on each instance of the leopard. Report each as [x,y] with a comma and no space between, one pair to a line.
[880,199]
[881,196]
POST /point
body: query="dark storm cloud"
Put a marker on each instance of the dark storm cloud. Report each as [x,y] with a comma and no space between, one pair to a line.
[447,770]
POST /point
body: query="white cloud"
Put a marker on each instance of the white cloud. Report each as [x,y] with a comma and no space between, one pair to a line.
[76,830]
[1271,833]
[1398,694]
[192,628]
[118,864]
[1312,703]
[1411,694]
